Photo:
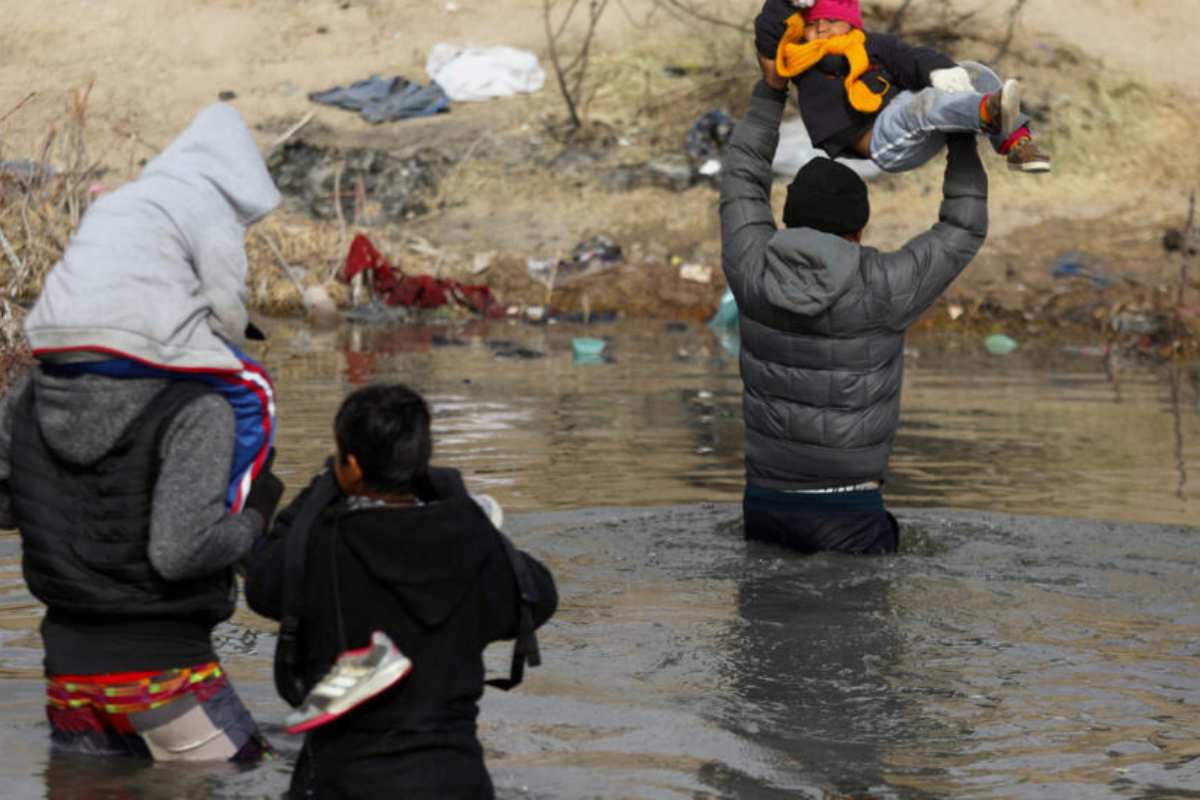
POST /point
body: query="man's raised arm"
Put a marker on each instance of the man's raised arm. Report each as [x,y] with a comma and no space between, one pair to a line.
[747,223]
[916,275]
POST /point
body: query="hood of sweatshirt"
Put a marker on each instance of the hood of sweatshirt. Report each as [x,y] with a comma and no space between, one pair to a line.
[157,269]
[82,417]
[807,270]
[217,151]
[429,556]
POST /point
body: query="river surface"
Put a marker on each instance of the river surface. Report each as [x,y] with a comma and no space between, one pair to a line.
[1037,637]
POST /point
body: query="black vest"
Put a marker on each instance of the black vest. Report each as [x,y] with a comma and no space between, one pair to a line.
[85,529]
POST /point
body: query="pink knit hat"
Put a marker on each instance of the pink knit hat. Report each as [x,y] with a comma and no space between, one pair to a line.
[846,10]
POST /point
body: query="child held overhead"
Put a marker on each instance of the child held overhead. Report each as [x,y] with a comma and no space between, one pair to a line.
[872,95]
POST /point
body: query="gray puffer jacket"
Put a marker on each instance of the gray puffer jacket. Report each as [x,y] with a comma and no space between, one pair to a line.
[823,319]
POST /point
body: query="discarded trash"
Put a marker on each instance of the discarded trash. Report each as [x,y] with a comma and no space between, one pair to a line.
[727,312]
[588,347]
[226,95]
[319,306]
[1080,265]
[26,170]
[1088,350]
[1000,345]
[590,257]
[697,273]
[671,172]
[506,349]
[1172,242]
[597,248]
[373,186]
[395,288]
[1141,324]
[481,73]
[707,139]
[482,262]
[955,311]
[725,324]
[379,99]
[796,149]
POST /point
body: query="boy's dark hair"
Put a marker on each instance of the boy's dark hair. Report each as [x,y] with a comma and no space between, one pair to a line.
[386,428]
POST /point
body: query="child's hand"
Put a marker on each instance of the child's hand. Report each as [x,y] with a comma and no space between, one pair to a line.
[951,79]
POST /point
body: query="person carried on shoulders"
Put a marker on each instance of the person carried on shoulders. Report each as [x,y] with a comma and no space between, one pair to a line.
[135,455]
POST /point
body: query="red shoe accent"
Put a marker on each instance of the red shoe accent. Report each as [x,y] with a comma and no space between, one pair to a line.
[1020,133]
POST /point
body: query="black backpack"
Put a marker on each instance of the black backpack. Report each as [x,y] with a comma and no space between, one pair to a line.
[437,484]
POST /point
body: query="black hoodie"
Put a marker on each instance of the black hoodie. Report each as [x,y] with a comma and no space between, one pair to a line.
[436,579]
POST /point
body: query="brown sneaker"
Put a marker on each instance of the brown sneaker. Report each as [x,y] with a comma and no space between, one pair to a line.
[1026,156]
[1001,110]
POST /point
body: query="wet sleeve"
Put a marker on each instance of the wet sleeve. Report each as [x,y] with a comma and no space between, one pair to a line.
[265,564]
[916,275]
[7,404]
[747,222]
[191,532]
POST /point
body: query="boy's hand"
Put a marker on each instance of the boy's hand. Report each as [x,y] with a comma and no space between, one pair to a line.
[771,76]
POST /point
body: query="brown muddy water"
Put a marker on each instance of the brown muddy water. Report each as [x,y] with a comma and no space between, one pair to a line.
[1037,637]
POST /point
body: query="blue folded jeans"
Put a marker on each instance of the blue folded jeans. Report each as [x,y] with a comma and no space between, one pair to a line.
[912,128]
[849,522]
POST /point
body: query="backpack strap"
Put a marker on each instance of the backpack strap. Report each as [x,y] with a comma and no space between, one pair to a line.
[525,648]
[288,680]
[442,483]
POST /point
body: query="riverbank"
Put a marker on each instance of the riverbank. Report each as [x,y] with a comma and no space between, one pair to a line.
[1076,255]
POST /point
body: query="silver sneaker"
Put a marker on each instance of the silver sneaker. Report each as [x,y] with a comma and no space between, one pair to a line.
[356,677]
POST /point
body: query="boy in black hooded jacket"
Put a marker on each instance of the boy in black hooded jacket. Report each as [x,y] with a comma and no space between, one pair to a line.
[421,563]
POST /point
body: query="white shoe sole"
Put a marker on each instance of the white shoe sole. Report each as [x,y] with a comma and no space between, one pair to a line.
[1032,166]
[1010,106]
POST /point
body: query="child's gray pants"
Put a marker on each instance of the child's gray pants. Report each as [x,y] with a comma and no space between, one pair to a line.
[912,128]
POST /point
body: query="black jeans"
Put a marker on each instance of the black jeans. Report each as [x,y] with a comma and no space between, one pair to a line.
[849,522]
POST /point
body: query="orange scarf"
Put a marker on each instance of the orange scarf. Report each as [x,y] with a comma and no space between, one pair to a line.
[796,56]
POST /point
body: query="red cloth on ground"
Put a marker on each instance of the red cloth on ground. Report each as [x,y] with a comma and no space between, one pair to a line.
[412,291]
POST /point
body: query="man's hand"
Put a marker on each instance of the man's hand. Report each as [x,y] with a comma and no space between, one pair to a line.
[771,76]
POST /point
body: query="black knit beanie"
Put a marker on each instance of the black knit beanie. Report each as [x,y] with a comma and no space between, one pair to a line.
[828,196]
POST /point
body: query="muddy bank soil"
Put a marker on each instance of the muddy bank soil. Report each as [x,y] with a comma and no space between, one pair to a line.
[478,193]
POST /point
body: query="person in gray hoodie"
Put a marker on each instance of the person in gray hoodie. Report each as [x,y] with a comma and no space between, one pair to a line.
[153,283]
[822,321]
[117,448]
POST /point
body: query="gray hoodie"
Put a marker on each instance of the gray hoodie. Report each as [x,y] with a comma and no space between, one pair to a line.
[823,319]
[157,269]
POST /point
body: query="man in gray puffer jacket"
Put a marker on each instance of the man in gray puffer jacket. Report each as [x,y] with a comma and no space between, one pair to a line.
[823,320]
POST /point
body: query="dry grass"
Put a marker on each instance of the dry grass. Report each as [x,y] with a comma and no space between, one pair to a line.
[39,209]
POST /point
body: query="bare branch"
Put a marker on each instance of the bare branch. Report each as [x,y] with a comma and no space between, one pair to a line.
[18,106]
[689,10]
[1189,230]
[1014,11]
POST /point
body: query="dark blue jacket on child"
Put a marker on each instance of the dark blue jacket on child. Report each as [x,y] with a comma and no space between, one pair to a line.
[437,579]
[832,123]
